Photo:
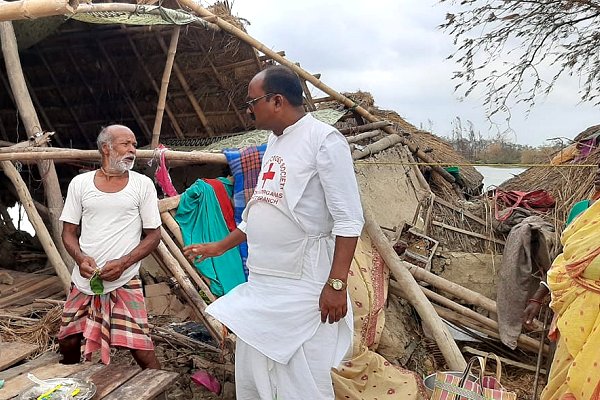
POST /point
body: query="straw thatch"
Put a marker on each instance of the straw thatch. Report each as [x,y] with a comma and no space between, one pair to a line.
[567,185]
[437,148]
[84,76]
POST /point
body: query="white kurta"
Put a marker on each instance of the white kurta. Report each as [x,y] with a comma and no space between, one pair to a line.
[305,196]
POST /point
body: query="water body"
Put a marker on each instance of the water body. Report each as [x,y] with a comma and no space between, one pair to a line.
[494,176]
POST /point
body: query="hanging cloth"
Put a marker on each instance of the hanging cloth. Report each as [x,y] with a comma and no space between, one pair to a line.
[224,191]
[201,221]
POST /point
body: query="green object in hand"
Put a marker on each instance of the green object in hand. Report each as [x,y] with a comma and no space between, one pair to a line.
[96,283]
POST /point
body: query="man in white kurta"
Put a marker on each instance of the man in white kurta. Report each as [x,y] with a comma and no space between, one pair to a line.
[301,226]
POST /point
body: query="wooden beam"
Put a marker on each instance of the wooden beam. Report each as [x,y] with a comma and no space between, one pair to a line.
[55,153]
[412,292]
[348,103]
[380,145]
[461,211]
[134,110]
[471,350]
[32,126]
[29,9]
[42,232]
[162,97]
[363,136]
[466,232]
[150,77]
[188,91]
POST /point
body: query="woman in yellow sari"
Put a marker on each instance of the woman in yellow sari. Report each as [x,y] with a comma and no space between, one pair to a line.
[574,281]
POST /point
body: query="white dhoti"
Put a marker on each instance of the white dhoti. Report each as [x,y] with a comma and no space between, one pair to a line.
[307,375]
[282,346]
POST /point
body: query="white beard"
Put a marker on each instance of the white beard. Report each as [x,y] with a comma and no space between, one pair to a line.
[120,164]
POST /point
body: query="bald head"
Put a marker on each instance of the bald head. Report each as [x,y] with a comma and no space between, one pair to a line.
[106,135]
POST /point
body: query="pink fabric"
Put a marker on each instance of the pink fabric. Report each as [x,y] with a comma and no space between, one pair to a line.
[162,174]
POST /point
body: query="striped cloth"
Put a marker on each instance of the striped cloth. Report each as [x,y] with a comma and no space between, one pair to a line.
[117,319]
[245,166]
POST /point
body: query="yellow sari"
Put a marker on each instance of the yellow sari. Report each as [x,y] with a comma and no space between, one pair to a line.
[574,281]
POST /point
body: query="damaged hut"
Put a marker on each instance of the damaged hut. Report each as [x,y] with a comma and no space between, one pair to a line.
[178,78]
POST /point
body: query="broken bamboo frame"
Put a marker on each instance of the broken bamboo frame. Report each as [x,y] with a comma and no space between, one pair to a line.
[187,90]
[488,323]
[413,294]
[164,87]
[364,128]
[54,153]
[32,125]
[185,264]
[350,104]
[380,145]
[523,341]
[195,300]
[29,9]
[36,221]
[173,227]
[466,232]
[363,136]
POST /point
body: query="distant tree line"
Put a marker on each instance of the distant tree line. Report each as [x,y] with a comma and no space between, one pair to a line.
[469,143]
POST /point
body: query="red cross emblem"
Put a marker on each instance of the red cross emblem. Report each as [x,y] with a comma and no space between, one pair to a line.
[269,175]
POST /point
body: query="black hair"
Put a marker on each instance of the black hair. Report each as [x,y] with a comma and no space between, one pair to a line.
[281,80]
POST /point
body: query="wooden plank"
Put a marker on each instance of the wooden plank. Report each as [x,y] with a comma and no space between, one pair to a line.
[16,385]
[90,369]
[466,232]
[461,211]
[145,386]
[13,352]
[111,377]
[44,359]
[18,297]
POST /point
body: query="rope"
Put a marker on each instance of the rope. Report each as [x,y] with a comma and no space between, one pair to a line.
[479,165]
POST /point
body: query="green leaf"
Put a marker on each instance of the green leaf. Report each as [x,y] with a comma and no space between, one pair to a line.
[96,284]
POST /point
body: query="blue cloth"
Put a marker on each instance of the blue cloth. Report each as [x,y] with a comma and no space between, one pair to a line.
[245,166]
[201,221]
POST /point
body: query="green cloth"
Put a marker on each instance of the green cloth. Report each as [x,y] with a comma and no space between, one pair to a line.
[577,209]
[201,221]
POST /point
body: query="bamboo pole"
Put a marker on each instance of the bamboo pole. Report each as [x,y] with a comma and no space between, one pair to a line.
[168,203]
[374,148]
[466,232]
[240,34]
[162,98]
[363,136]
[185,264]
[32,126]
[53,153]
[170,114]
[188,91]
[414,295]
[364,128]
[523,341]
[173,227]
[29,9]
[194,299]
[42,232]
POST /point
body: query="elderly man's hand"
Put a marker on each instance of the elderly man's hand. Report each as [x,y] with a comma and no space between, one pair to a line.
[332,304]
[200,252]
[112,270]
[87,266]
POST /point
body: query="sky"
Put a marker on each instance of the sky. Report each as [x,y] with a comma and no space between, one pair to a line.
[395,50]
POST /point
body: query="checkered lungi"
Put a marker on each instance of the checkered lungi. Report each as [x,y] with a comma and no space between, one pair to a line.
[117,319]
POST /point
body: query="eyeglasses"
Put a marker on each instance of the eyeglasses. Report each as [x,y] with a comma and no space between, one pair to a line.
[250,103]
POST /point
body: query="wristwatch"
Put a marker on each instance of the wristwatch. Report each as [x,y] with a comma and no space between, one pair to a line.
[336,284]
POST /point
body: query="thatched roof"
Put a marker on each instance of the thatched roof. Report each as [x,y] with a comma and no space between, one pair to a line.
[568,183]
[84,76]
[440,150]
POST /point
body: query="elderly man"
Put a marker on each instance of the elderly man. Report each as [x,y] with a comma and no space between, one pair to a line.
[104,216]
[302,225]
